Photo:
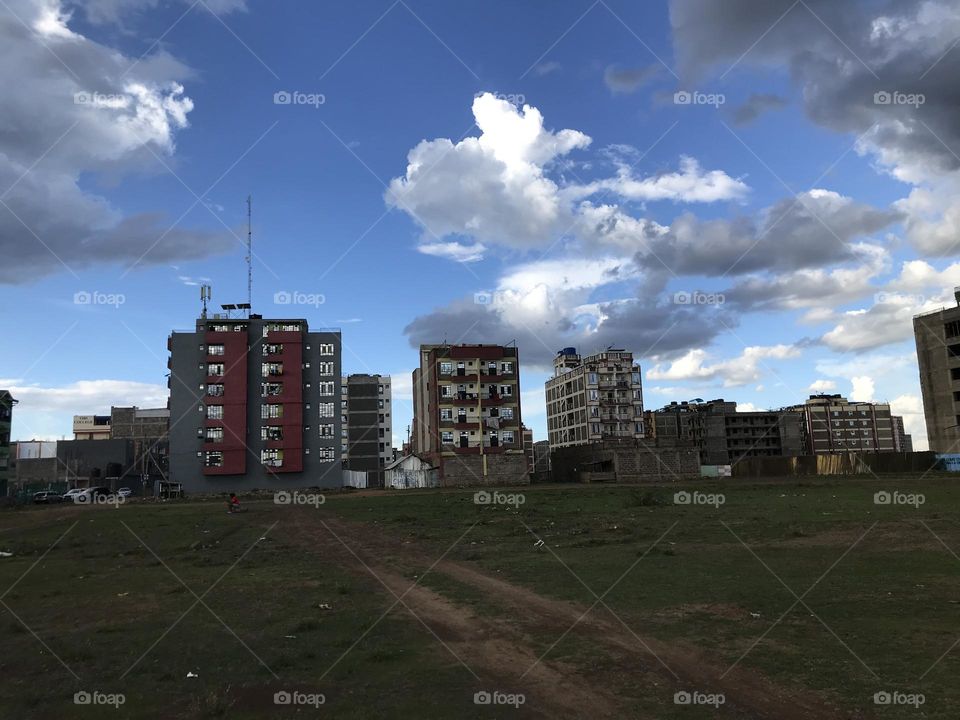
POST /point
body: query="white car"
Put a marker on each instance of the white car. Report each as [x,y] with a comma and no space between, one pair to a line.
[124,492]
[71,494]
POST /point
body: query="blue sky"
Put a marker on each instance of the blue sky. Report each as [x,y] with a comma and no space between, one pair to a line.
[811,220]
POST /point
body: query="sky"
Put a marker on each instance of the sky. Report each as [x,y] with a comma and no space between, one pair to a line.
[754,198]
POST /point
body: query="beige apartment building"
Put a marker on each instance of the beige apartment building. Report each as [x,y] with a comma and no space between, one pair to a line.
[593,398]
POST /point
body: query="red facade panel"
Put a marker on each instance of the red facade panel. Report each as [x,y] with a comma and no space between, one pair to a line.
[233,400]
[291,398]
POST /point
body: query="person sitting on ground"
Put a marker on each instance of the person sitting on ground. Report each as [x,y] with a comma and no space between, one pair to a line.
[233,504]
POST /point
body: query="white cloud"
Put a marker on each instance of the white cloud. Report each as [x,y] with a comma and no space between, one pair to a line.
[48,411]
[491,188]
[747,368]
[84,109]
[497,189]
[862,388]
[690,185]
[911,408]
[822,386]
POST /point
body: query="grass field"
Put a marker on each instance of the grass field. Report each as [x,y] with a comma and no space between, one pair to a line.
[789,600]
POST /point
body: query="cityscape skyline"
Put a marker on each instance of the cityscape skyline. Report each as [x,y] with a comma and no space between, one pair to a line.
[642,189]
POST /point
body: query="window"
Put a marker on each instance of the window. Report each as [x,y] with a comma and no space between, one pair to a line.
[953,350]
[380,404]
[506,368]
[215,350]
[271,457]
[213,459]
[271,432]
[327,388]
[445,414]
[446,368]
[326,349]
[273,349]
[271,369]
[592,379]
[507,436]
[446,436]
[328,453]
[380,389]
[268,412]
[215,390]
[215,412]
[955,373]
[506,390]
[952,329]
[280,327]
[326,410]
[325,369]
[635,378]
[215,369]
[593,395]
[507,413]
[326,430]
[268,389]
[446,391]
[214,434]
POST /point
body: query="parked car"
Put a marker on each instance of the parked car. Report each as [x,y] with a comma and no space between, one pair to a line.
[124,492]
[71,494]
[46,497]
[90,494]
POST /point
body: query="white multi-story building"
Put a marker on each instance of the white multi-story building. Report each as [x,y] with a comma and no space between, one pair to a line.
[593,398]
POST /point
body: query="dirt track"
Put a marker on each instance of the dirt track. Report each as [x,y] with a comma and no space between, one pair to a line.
[500,653]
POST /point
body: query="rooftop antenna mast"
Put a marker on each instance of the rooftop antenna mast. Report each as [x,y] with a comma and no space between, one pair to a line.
[204,298]
[249,254]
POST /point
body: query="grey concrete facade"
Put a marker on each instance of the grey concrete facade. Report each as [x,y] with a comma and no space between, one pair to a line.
[310,399]
[724,436]
[937,335]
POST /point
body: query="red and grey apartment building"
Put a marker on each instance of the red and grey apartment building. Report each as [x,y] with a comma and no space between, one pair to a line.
[466,406]
[254,403]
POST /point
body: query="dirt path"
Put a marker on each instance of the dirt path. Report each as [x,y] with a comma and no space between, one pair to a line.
[496,648]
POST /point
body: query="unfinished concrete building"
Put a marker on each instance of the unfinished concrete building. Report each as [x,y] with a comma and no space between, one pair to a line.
[937,335]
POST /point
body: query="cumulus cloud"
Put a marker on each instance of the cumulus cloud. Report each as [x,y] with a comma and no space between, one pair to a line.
[822,386]
[748,367]
[498,189]
[101,114]
[817,228]
[862,388]
[883,72]
[910,407]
